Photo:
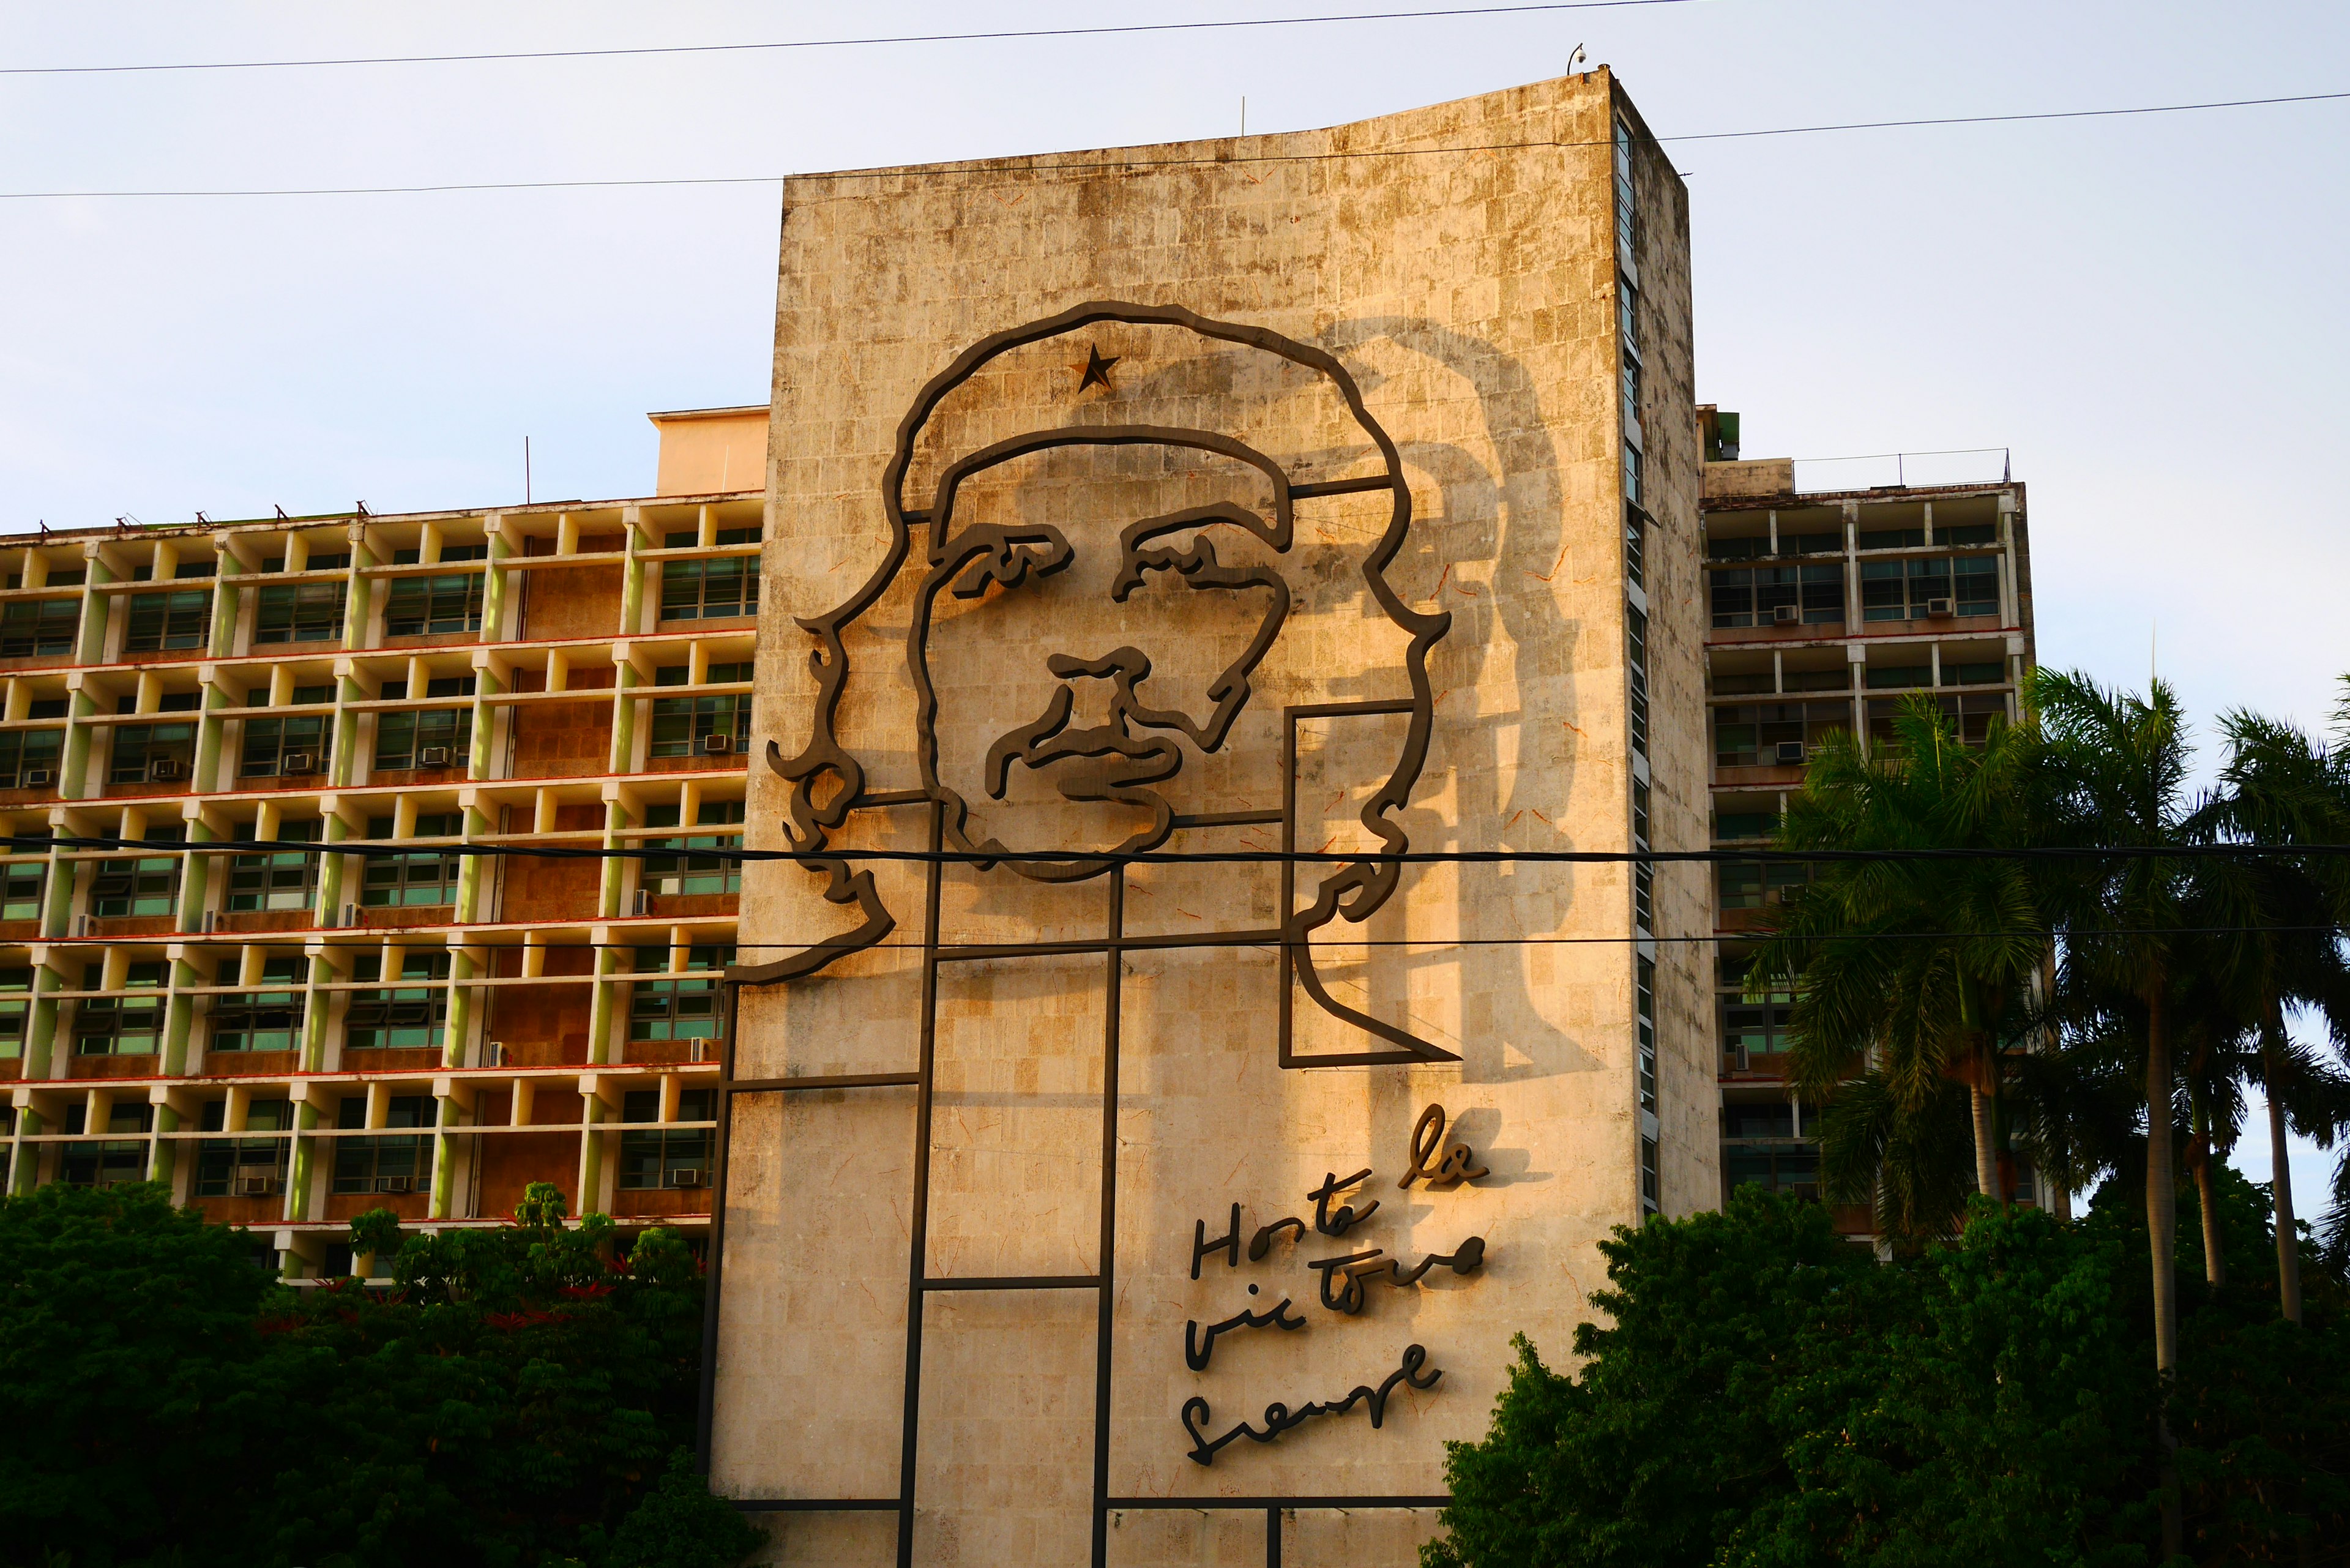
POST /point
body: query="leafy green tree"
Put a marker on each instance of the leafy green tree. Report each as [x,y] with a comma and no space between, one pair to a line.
[1767,1393]
[1922,961]
[128,1352]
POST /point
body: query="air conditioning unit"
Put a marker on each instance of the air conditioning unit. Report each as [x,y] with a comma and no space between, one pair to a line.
[697,1051]
[1941,610]
[717,745]
[643,904]
[496,1050]
[36,778]
[298,763]
[1788,753]
[256,1187]
[1786,615]
[165,770]
[395,1184]
[432,757]
[686,1177]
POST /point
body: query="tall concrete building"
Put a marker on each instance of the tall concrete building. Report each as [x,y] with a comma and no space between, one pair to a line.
[1825,609]
[288,1036]
[1333,493]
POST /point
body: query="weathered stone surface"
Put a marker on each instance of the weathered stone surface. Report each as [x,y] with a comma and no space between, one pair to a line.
[1461,265]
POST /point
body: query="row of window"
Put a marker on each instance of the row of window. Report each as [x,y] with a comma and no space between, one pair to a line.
[181,619]
[396,1017]
[1766,735]
[1831,541]
[1914,589]
[255,1164]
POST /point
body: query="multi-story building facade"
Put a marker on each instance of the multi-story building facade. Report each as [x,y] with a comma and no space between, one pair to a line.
[291,1037]
[1828,609]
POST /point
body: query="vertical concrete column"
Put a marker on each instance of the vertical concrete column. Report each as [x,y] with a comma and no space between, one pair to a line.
[341,763]
[604,999]
[41,1021]
[358,594]
[329,907]
[57,894]
[228,598]
[211,730]
[73,765]
[89,647]
[317,1008]
[179,1008]
[448,1116]
[196,874]
[163,1152]
[298,1166]
[591,1153]
[460,1027]
[632,572]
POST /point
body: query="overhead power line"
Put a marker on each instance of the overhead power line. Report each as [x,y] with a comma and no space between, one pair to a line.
[1004,35]
[39,842]
[1041,165]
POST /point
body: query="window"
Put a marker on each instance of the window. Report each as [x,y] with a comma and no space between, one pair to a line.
[653,1158]
[1628,374]
[1751,734]
[1632,473]
[1636,564]
[1789,1167]
[1755,1029]
[703,590]
[1892,539]
[381,1163]
[1651,1188]
[119,1025]
[279,879]
[1752,595]
[1627,314]
[432,607]
[1745,823]
[16,1010]
[1904,590]
[686,865]
[21,883]
[268,743]
[682,724]
[1635,633]
[29,751]
[1624,222]
[139,747]
[678,1009]
[30,628]
[1970,714]
[149,885]
[1751,884]
[1968,534]
[408,881]
[244,1166]
[407,1017]
[117,1160]
[401,740]
[1993,673]
[1810,543]
[300,612]
[1881,676]
[1644,981]
[260,1020]
[162,621]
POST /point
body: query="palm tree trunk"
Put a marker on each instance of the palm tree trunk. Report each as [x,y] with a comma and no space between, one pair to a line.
[2161,1183]
[2281,1179]
[1986,1154]
[2207,1196]
[2162,1241]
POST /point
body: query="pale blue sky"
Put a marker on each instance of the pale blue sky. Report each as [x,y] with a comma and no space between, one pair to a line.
[2148,310]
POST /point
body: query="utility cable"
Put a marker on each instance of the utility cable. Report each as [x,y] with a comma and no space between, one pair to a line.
[1041,164]
[998,36]
[38,843]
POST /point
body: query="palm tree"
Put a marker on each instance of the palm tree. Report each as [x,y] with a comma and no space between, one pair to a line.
[2276,916]
[1917,960]
[2117,779]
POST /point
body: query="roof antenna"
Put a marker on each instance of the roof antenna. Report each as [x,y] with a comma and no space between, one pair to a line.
[1243,114]
[526,457]
[281,512]
[362,511]
[202,518]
